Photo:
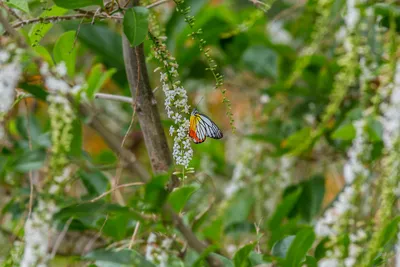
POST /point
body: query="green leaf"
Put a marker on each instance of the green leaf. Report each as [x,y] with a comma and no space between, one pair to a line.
[155,193]
[310,200]
[30,161]
[390,231]
[297,138]
[20,4]
[97,78]
[72,4]
[299,247]
[103,41]
[178,198]
[95,181]
[120,258]
[283,209]
[281,247]
[38,31]
[225,262]
[344,132]
[239,208]
[374,130]
[240,259]
[310,261]
[116,226]
[262,60]
[35,90]
[65,50]
[136,25]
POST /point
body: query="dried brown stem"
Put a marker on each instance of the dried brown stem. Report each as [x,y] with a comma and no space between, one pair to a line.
[115,188]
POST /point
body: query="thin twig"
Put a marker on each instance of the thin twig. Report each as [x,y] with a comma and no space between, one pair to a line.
[91,242]
[115,188]
[10,10]
[60,238]
[61,18]
[157,3]
[118,98]
[134,235]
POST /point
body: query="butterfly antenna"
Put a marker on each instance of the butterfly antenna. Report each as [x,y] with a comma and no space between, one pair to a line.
[198,102]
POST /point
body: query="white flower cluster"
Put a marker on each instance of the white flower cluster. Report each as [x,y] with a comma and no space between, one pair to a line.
[158,254]
[391,113]
[38,230]
[278,34]
[354,166]
[326,226]
[59,180]
[10,73]
[176,106]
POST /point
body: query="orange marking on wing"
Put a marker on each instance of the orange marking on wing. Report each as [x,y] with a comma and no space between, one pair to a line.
[192,130]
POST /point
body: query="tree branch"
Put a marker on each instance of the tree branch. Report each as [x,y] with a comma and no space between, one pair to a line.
[153,133]
[118,98]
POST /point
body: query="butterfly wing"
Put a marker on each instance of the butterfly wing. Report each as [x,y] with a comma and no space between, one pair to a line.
[209,127]
[195,133]
[202,127]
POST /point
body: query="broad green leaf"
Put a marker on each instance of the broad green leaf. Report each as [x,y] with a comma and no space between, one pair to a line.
[374,130]
[310,261]
[97,78]
[42,51]
[225,262]
[283,209]
[30,161]
[118,258]
[310,200]
[20,4]
[103,41]
[95,181]
[390,231]
[213,231]
[299,247]
[38,31]
[240,259]
[178,198]
[72,4]
[136,25]
[344,132]
[281,247]
[35,90]
[155,193]
[262,60]
[116,226]
[201,259]
[65,51]
[239,208]
[297,138]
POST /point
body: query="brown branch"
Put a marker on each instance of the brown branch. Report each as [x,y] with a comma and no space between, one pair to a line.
[53,19]
[157,3]
[115,188]
[154,136]
[11,31]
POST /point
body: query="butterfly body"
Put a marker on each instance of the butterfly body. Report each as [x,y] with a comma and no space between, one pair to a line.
[202,127]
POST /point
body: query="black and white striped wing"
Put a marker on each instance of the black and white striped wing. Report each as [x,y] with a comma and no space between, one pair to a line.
[206,127]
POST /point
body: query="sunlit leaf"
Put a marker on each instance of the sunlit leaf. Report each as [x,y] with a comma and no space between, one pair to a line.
[136,25]
[65,51]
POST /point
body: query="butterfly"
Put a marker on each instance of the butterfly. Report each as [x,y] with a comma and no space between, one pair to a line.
[202,127]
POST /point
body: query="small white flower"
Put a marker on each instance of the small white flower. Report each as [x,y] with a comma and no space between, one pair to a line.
[328,263]
[264,99]
[61,69]
[4,56]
